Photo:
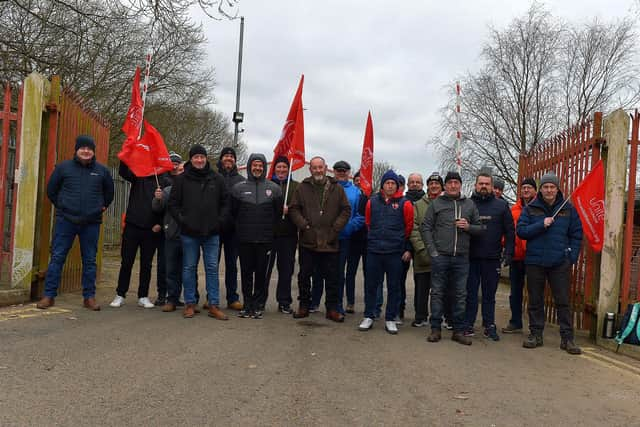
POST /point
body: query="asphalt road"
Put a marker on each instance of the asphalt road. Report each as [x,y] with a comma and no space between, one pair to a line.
[129,366]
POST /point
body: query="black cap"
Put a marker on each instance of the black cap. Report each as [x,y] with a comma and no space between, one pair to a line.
[341,164]
[85,141]
[197,149]
[498,183]
[435,176]
[529,181]
[175,157]
[228,150]
[452,175]
[281,159]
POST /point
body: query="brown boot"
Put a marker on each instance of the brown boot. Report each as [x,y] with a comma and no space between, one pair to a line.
[436,335]
[236,305]
[216,313]
[335,316]
[459,337]
[169,307]
[45,303]
[91,304]
[188,311]
[302,312]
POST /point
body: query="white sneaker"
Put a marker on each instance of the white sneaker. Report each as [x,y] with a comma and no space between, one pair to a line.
[145,303]
[391,327]
[118,301]
[366,324]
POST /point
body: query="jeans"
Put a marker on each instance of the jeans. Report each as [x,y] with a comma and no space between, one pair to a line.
[254,262]
[422,282]
[323,265]
[483,273]
[516,277]
[283,255]
[190,258]
[379,265]
[229,241]
[173,261]
[559,281]
[64,234]
[449,274]
[133,238]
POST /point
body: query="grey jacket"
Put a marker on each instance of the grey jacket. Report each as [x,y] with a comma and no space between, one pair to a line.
[439,230]
[169,225]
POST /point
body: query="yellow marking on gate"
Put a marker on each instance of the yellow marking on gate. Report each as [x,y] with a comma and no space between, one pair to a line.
[28,312]
[609,362]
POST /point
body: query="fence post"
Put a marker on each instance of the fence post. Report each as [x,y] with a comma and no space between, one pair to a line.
[616,133]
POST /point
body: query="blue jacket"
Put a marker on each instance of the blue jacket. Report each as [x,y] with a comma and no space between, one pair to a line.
[80,192]
[496,217]
[549,247]
[356,221]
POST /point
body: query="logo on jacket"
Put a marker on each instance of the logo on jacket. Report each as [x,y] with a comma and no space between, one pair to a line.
[395,205]
[268,192]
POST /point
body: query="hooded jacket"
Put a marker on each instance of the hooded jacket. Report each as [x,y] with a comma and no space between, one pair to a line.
[256,205]
[495,216]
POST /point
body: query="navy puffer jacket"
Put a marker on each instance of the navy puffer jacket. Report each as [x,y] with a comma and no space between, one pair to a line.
[496,216]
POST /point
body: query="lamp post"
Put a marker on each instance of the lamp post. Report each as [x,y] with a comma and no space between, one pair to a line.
[238,117]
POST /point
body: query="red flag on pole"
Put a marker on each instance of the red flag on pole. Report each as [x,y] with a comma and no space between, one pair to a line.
[148,156]
[366,162]
[588,199]
[291,143]
[133,121]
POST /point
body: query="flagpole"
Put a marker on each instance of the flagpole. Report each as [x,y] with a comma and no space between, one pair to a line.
[562,205]
[144,89]
[286,193]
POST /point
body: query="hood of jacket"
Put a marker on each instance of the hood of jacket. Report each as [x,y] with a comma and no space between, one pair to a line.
[263,159]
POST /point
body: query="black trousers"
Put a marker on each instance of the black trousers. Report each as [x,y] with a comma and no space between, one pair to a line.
[253,273]
[422,282]
[559,281]
[133,238]
[283,256]
[161,269]
[325,264]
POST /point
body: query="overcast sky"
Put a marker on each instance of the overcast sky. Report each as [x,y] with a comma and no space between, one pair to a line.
[391,57]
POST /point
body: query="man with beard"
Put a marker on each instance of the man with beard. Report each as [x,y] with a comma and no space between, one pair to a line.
[320,210]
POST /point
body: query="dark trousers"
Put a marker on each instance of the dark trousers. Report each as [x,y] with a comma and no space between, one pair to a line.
[325,266]
[161,269]
[230,243]
[449,274]
[559,281]
[254,262]
[422,282]
[357,250]
[283,256]
[483,273]
[317,288]
[516,278]
[173,261]
[133,238]
[379,265]
[403,287]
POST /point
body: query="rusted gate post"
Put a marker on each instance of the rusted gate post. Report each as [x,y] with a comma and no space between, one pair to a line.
[616,132]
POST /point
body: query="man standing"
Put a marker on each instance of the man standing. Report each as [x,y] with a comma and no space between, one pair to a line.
[81,189]
[320,210]
[498,187]
[199,203]
[228,238]
[517,270]
[486,253]
[553,232]
[358,249]
[285,241]
[450,221]
[256,205]
[389,217]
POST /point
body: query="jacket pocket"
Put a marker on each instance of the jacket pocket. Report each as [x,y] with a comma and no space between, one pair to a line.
[309,237]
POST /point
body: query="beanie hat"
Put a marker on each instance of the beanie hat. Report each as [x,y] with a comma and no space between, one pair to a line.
[498,183]
[389,175]
[530,181]
[435,176]
[85,141]
[281,159]
[228,150]
[401,180]
[197,149]
[452,175]
[175,157]
[550,178]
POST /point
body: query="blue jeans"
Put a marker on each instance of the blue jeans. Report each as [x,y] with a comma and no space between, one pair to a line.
[517,272]
[449,273]
[377,266]
[190,258]
[64,233]
[483,273]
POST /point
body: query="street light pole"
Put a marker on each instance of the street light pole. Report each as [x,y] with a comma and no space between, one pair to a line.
[237,115]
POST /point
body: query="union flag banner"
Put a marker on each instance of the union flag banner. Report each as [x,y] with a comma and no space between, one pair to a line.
[588,199]
[291,142]
[133,121]
[147,156]
[366,161]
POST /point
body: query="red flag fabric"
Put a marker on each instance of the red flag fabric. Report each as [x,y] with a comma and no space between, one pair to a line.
[588,199]
[366,162]
[133,121]
[147,156]
[291,143]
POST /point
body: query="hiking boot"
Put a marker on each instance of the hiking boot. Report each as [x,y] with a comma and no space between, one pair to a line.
[45,303]
[335,316]
[350,309]
[302,312]
[91,304]
[436,335]
[533,341]
[491,333]
[168,307]
[216,313]
[570,346]
[188,311]
[461,338]
[285,308]
[511,329]
[236,305]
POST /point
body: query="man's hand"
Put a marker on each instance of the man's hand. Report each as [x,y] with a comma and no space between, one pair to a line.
[285,210]
[406,256]
[548,221]
[158,193]
[156,228]
[462,224]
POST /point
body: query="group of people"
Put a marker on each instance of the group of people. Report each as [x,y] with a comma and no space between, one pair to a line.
[456,244]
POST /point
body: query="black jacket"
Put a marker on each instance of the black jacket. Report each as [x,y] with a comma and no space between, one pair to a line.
[80,192]
[496,217]
[170,227]
[139,212]
[284,226]
[199,202]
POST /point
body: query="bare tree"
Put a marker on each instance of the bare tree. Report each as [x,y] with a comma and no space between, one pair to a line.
[379,168]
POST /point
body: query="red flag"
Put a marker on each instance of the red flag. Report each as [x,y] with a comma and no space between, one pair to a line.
[291,143]
[366,162]
[148,156]
[588,199]
[133,121]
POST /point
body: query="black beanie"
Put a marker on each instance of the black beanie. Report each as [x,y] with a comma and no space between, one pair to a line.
[197,149]
[530,181]
[228,150]
[281,159]
[85,141]
[452,175]
[498,183]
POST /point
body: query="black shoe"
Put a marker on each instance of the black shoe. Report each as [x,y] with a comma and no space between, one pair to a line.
[570,346]
[533,341]
[285,308]
[256,314]
[181,304]
[511,329]
[159,302]
[245,314]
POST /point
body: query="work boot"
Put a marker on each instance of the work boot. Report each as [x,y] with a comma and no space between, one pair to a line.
[533,341]
[436,335]
[188,311]
[216,313]
[169,307]
[302,312]
[45,303]
[91,304]
[461,338]
[335,316]
[236,305]
[570,346]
